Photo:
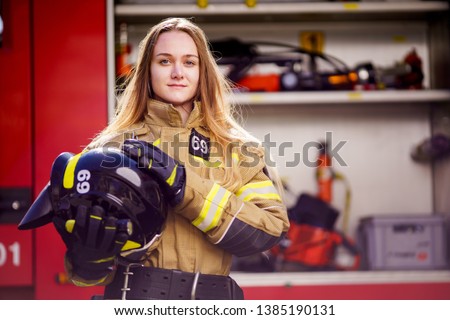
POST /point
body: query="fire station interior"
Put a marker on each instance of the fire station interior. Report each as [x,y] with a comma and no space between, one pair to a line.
[352,99]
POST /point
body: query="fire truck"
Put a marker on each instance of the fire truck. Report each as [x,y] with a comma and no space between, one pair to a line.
[53,98]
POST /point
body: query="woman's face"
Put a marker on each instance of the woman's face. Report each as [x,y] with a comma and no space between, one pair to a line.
[175,68]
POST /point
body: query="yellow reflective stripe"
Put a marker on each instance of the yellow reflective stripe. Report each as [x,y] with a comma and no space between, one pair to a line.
[217,215]
[258,190]
[235,157]
[198,159]
[207,163]
[84,284]
[254,185]
[206,205]
[157,142]
[69,173]
[216,163]
[170,180]
[212,208]
[150,163]
[95,217]
[103,260]
[267,196]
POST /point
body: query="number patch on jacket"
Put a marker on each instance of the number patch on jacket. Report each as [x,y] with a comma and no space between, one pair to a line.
[199,145]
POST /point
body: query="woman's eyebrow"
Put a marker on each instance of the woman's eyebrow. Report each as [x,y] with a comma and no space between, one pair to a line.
[170,55]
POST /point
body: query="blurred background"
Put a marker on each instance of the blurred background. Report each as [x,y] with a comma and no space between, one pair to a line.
[351,99]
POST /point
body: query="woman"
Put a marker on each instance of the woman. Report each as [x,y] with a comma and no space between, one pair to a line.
[224,202]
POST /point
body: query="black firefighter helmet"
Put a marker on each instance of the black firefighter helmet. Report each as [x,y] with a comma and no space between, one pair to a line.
[104,177]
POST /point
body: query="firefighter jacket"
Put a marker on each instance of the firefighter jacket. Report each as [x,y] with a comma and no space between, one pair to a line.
[211,223]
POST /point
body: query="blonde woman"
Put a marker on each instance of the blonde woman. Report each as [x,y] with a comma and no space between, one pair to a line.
[222,201]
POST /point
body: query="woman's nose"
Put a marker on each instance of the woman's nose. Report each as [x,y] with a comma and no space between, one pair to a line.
[177,71]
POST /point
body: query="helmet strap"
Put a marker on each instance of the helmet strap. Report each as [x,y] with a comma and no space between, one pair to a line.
[136,255]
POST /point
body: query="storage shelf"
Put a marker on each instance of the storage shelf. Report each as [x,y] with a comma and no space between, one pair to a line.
[339,277]
[341,97]
[283,12]
[123,10]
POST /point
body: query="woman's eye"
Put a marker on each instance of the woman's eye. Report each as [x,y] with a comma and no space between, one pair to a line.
[164,61]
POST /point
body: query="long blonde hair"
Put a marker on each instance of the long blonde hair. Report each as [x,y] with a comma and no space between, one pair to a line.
[213,93]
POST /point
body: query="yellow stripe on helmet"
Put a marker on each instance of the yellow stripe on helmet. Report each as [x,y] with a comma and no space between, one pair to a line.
[69,173]
[170,180]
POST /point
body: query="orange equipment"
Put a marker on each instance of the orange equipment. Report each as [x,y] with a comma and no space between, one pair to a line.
[312,240]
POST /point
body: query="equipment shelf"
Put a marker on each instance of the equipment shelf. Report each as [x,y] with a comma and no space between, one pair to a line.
[123,10]
[341,97]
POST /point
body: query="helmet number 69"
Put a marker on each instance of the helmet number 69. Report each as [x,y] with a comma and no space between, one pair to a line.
[83,185]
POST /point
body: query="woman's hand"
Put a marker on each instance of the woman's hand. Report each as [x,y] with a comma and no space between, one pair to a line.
[93,241]
[170,174]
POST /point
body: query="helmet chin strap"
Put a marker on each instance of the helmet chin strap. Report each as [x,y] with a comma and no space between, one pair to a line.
[135,255]
[133,258]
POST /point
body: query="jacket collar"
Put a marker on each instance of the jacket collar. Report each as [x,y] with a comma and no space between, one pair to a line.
[165,114]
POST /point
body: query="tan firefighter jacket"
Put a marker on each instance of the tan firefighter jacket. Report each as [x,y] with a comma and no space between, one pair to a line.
[211,223]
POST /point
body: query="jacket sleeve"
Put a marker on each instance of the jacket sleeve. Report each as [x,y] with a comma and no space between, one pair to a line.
[250,220]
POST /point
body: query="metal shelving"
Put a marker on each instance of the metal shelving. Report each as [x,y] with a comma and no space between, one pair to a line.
[341,97]
[307,11]
[124,10]
[286,279]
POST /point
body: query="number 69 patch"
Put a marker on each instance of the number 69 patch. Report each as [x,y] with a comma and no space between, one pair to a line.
[199,145]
